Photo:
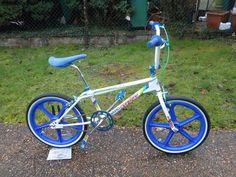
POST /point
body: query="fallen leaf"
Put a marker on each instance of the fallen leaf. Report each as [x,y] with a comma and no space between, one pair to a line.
[203,91]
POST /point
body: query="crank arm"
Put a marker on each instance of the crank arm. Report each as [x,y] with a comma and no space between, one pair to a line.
[96,126]
[54,125]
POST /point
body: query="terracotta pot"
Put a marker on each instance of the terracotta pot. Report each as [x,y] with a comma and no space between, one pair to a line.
[215,17]
[233,20]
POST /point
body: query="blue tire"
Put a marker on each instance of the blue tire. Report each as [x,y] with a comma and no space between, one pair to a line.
[48,107]
[188,116]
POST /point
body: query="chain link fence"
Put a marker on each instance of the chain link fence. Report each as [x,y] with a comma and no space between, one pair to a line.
[43,18]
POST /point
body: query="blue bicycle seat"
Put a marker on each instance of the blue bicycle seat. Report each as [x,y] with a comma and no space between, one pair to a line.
[66,61]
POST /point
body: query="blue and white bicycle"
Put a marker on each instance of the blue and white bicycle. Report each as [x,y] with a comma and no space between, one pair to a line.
[171,124]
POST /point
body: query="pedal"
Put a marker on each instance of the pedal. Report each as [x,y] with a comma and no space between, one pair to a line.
[84,142]
[85,139]
[120,95]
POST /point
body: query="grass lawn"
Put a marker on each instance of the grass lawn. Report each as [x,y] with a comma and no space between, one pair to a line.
[204,70]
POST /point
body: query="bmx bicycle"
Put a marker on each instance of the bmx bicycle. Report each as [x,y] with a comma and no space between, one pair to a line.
[171,124]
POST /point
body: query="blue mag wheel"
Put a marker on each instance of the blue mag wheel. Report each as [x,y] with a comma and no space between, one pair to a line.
[188,116]
[48,107]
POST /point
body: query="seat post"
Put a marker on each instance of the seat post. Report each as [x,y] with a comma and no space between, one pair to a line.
[81,76]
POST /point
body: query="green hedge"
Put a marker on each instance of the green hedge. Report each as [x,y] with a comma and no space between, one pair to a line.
[178,10]
[38,10]
[109,11]
[103,12]
[9,12]
[34,10]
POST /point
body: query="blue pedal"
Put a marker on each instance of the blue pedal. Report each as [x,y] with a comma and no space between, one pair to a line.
[120,95]
[84,142]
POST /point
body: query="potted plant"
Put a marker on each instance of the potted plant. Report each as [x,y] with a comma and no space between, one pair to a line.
[214,17]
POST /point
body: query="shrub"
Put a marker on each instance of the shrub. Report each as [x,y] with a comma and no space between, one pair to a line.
[178,10]
[72,9]
[9,12]
[26,10]
[108,11]
[38,10]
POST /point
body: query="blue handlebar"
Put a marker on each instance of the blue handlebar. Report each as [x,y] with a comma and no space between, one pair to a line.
[155,41]
[153,24]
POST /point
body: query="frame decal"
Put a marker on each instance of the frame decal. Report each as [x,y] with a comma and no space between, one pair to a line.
[128,100]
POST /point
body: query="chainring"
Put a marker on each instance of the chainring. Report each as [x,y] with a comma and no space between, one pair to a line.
[106,118]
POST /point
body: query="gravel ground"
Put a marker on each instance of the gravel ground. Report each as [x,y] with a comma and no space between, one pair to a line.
[118,152]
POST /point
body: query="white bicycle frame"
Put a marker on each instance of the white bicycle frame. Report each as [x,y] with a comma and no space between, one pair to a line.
[152,84]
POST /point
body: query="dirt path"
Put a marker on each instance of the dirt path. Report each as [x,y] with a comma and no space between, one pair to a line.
[119,152]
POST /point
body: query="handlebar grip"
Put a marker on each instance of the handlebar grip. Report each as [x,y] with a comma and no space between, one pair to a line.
[153,24]
[156,40]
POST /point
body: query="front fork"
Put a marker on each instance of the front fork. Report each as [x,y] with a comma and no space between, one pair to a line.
[166,112]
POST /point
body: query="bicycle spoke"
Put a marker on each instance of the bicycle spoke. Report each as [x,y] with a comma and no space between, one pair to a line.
[188,120]
[43,126]
[186,135]
[168,137]
[46,112]
[159,124]
[59,135]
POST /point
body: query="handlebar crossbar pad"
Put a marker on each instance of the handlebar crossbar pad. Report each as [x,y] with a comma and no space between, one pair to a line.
[156,40]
